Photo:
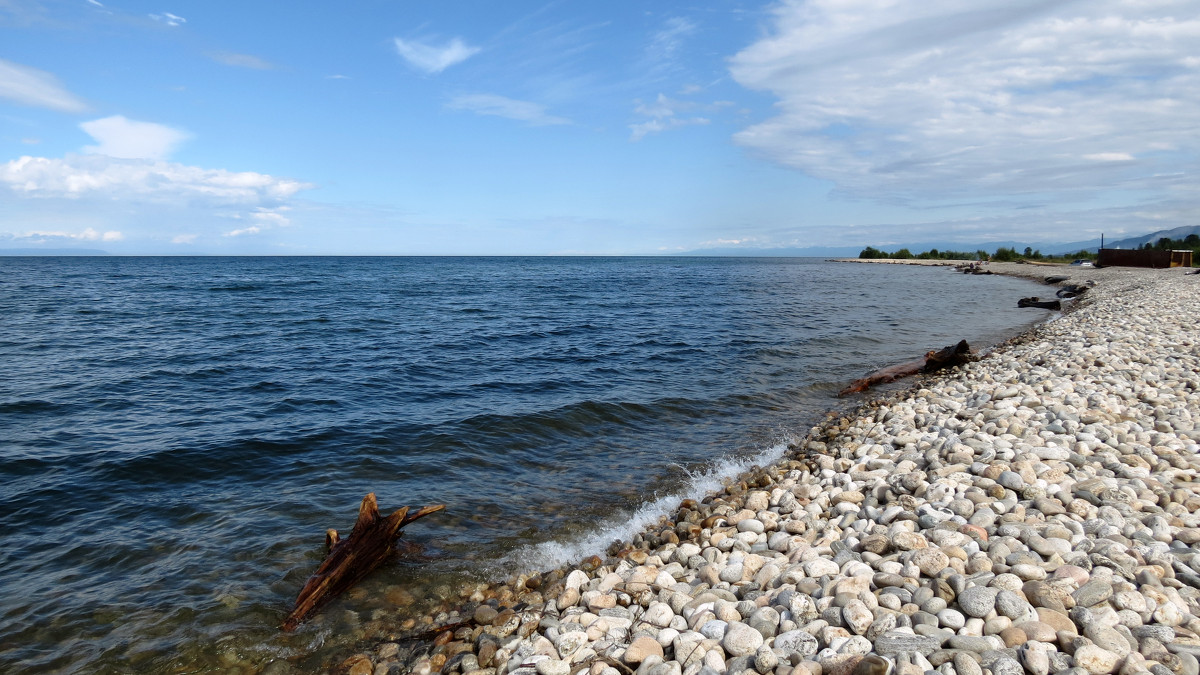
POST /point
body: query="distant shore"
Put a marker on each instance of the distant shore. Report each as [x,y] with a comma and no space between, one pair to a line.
[1031,512]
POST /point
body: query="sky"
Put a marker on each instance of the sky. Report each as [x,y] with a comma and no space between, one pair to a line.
[415,127]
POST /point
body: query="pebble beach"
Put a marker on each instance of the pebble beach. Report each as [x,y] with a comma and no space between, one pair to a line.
[1036,511]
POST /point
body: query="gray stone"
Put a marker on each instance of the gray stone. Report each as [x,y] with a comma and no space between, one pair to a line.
[765,660]
[795,642]
[965,664]
[977,601]
[895,641]
[1007,665]
[1092,593]
[1013,606]
[972,643]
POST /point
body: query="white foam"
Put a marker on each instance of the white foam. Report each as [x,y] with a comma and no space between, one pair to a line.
[553,554]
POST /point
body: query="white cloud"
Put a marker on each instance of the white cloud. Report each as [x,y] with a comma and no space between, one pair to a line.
[80,176]
[1109,157]
[500,106]
[169,19]
[241,60]
[909,101]
[87,234]
[663,113]
[432,59]
[643,129]
[253,229]
[184,239]
[130,139]
[33,87]
[271,217]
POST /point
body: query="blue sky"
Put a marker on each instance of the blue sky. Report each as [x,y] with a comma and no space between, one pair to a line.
[513,127]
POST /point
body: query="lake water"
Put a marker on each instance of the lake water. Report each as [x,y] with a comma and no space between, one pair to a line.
[176,434]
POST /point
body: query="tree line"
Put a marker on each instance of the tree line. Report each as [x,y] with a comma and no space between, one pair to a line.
[1010,254]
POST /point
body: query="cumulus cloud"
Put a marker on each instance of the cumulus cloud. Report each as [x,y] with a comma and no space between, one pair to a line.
[911,101]
[117,136]
[241,60]
[80,176]
[490,104]
[433,59]
[33,87]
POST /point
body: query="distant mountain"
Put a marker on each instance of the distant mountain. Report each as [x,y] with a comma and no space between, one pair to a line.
[1136,242]
[52,251]
[788,252]
[1054,248]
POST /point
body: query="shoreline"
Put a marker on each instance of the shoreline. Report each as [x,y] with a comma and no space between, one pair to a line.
[863,573]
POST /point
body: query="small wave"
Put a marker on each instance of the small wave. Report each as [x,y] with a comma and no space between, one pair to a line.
[29,407]
[553,554]
[237,288]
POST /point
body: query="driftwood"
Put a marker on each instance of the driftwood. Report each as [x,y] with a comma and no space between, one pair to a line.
[1072,291]
[946,357]
[1041,304]
[371,542]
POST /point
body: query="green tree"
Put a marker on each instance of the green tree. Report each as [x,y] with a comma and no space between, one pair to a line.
[872,253]
[1003,254]
[902,254]
[981,254]
[1192,240]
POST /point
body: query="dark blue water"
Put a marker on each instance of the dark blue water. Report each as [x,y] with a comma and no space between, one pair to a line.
[176,434]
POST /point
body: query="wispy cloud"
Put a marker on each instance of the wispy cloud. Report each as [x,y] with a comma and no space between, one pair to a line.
[663,51]
[169,19]
[434,59]
[642,129]
[33,87]
[533,114]
[117,136]
[241,60]
[969,98]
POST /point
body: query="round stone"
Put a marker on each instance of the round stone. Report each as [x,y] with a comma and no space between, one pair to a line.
[1096,660]
[977,601]
[930,561]
[741,640]
[951,619]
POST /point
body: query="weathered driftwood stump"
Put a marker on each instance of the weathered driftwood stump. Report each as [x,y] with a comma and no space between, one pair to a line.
[371,542]
[1039,303]
[937,359]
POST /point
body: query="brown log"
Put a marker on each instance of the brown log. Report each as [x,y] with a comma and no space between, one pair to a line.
[371,542]
[933,360]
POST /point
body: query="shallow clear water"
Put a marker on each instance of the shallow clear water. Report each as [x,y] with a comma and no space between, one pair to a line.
[176,434]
